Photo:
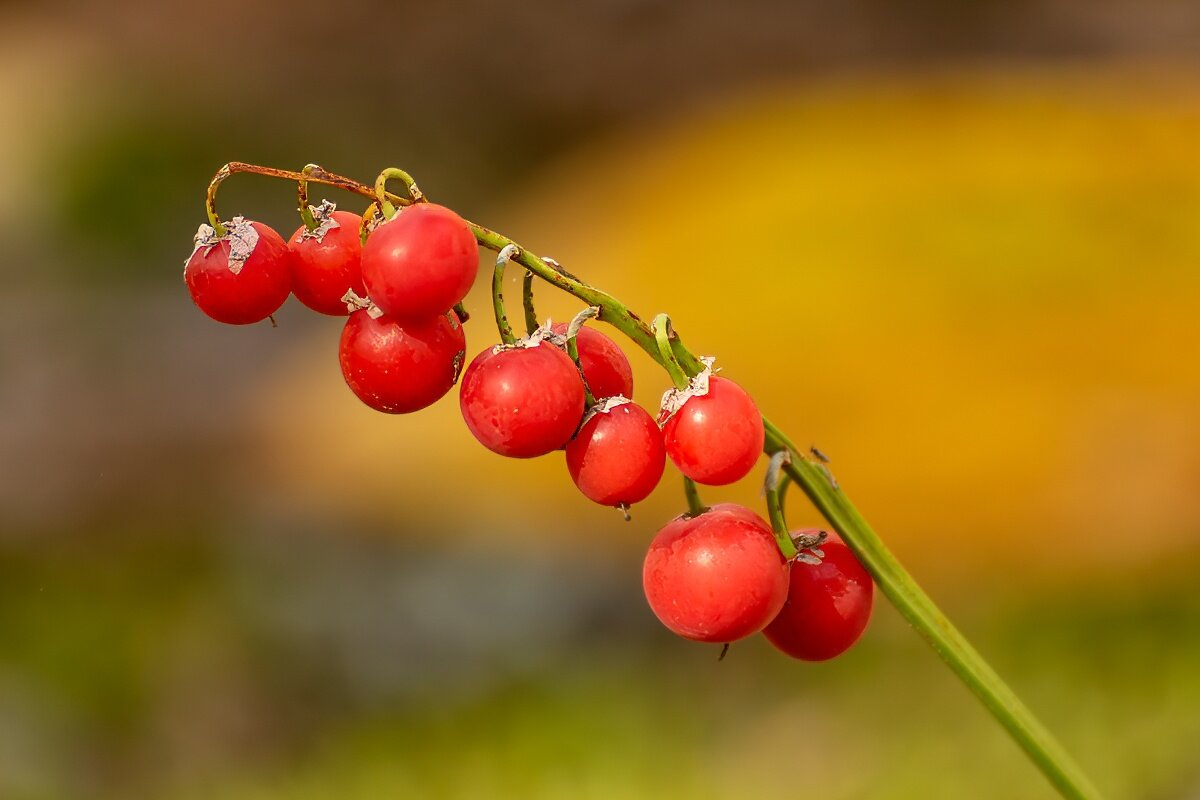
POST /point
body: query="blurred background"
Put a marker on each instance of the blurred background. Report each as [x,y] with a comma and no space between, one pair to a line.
[953,245]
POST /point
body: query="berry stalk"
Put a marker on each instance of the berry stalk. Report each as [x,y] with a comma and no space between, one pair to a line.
[928,620]
[665,348]
[895,581]
[695,504]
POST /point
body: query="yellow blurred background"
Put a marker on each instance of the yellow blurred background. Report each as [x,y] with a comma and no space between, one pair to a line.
[956,250]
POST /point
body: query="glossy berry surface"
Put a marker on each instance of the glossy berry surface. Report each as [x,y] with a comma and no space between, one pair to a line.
[605,367]
[715,438]
[398,366]
[716,577]
[421,262]
[325,268]
[522,401]
[251,294]
[828,605]
[617,458]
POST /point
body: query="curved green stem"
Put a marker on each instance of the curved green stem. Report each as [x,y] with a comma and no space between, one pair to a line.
[573,349]
[381,192]
[695,504]
[663,334]
[502,324]
[310,222]
[531,320]
[612,310]
[774,493]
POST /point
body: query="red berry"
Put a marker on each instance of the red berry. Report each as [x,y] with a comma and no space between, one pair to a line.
[324,268]
[715,438]
[421,262]
[605,367]
[238,291]
[715,577]
[617,457]
[828,605]
[522,401]
[398,366]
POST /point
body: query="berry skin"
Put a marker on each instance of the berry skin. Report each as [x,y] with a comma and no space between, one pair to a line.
[605,367]
[715,577]
[715,438]
[828,605]
[250,294]
[324,269]
[420,262]
[400,366]
[617,458]
[522,402]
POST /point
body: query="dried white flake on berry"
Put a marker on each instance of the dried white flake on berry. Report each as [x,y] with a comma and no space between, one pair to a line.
[673,399]
[355,303]
[542,334]
[241,235]
[323,214]
[605,406]
[243,238]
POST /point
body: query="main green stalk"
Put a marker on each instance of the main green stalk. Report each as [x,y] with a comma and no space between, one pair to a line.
[667,350]
[893,580]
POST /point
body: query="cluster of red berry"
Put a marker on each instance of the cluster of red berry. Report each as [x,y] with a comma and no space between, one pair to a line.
[713,575]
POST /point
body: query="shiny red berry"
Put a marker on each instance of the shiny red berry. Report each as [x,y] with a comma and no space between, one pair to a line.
[828,605]
[326,265]
[605,367]
[250,286]
[617,458]
[522,401]
[399,366]
[421,262]
[715,577]
[715,438]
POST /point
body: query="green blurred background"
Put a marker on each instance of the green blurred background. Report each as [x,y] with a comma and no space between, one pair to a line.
[955,246]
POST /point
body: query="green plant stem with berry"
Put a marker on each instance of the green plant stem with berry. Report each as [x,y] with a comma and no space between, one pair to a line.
[568,388]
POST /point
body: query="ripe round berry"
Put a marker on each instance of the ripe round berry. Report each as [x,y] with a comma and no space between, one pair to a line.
[398,366]
[715,438]
[327,265]
[605,367]
[522,401]
[617,458]
[420,262]
[715,577]
[828,605]
[237,291]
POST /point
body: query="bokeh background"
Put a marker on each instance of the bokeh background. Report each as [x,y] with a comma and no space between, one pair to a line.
[954,245]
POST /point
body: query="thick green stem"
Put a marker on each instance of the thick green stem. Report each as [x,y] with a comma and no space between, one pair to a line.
[916,607]
[892,578]
[816,481]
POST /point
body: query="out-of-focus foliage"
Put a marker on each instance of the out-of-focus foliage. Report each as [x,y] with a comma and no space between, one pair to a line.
[221,576]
